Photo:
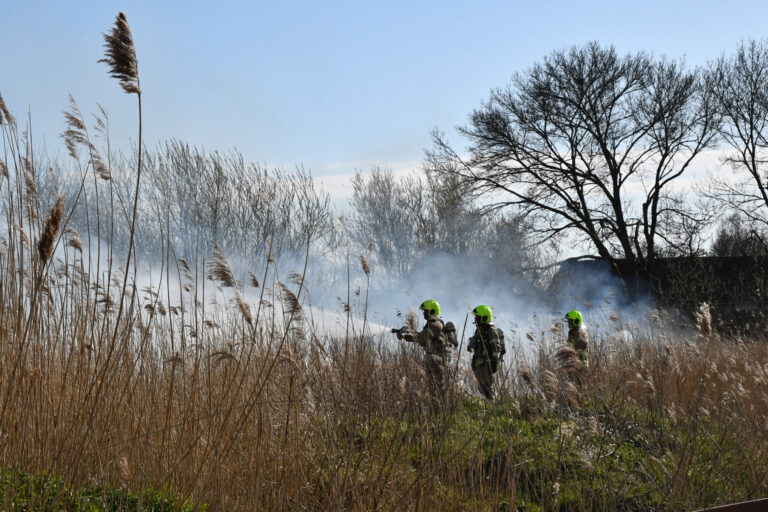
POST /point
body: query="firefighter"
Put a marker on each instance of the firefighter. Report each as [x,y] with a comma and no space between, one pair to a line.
[437,339]
[578,337]
[485,347]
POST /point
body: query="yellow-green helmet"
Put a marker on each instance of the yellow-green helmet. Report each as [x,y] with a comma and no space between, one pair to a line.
[575,316]
[431,307]
[484,313]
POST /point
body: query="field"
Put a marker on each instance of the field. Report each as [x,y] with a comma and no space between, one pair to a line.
[194,389]
[243,407]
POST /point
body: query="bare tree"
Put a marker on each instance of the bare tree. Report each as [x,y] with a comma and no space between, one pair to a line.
[739,85]
[387,215]
[735,237]
[578,140]
[405,220]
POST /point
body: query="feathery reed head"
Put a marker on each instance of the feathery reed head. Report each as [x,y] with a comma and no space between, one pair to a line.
[52,224]
[296,278]
[292,302]
[5,114]
[30,186]
[567,359]
[120,55]
[550,384]
[101,169]
[527,376]
[704,320]
[254,280]
[219,269]
[75,132]
[73,117]
[187,269]
[22,235]
[245,310]
[411,320]
[74,240]
[364,264]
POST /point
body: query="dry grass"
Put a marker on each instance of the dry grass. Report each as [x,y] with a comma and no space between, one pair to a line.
[255,415]
[234,405]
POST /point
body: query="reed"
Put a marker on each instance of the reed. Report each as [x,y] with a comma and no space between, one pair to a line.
[218,398]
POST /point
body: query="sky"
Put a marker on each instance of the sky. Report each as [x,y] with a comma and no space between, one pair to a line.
[332,86]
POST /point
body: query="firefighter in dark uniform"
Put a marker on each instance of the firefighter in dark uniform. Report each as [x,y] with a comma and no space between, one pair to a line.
[485,347]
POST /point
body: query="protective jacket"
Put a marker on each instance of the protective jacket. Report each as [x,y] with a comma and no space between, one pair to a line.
[579,340]
[485,345]
[432,337]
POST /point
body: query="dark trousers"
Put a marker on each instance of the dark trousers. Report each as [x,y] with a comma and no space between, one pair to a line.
[481,367]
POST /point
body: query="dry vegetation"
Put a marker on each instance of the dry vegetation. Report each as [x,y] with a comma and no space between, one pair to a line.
[250,411]
[238,405]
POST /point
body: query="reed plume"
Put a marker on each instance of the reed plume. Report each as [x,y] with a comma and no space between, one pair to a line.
[219,269]
[23,235]
[244,308]
[120,55]
[411,320]
[567,359]
[527,377]
[102,171]
[5,114]
[292,301]
[296,278]
[74,240]
[187,268]
[549,384]
[704,320]
[52,224]
[364,264]
[254,280]
[29,184]
[73,117]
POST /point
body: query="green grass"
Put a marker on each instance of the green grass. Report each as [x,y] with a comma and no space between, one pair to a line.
[22,491]
[552,458]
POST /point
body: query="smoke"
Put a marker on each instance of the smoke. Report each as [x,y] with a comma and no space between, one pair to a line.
[473,258]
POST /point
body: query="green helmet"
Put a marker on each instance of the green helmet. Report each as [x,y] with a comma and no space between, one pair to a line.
[484,313]
[431,307]
[575,316]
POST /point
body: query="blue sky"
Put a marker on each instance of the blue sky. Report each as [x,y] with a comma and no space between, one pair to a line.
[333,86]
